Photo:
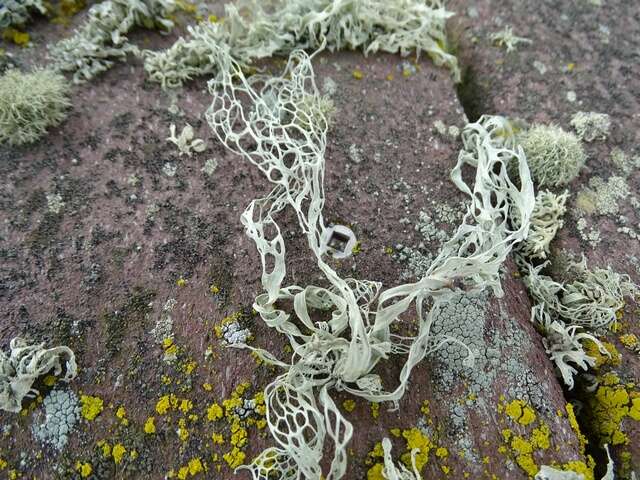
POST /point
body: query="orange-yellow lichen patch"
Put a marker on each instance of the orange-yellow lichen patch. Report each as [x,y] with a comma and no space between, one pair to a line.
[375,472]
[592,349]
[520,412]
[524,455]
[573,422]
[118,452]
[121,414]
[84,469]
[610,405]
[214,412]
[349,405]
[91,406]
[416,440]
[150,426]
[375,409]
[234,458]
[183,433]
[629,340]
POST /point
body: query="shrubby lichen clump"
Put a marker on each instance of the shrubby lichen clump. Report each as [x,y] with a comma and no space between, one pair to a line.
[30,103]
[555,157]
[253,30]
[102,39]
[18,12]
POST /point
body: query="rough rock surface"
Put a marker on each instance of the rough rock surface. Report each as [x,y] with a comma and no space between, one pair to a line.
[582,56]
[112,243]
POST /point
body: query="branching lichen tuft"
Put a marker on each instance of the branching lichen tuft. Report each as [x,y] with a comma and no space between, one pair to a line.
[545,223]
[555,157]
[252,31]
[30,103]
[591,126]
[94,46]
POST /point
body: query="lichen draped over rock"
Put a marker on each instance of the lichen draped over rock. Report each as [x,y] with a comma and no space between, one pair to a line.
[342,353]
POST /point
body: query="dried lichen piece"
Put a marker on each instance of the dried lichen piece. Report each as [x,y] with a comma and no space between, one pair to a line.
[267,121]
[25,364]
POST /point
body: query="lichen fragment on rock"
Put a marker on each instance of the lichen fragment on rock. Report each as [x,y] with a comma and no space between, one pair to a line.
[25,364]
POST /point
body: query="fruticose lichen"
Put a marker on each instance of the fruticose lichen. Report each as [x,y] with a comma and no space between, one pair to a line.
[591,300]
[30,103]
[25,364]
[545,223]
[505,38]
[102,39]
[555,157]
[342,352]
[18,12]
[252,30]
[185,141]
[591,126]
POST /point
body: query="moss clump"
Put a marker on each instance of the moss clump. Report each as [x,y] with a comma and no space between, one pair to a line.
[555,157]
[30,103]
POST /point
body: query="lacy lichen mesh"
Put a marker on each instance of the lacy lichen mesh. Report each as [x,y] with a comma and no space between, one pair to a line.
[261,119]
[24,364]
[254,29]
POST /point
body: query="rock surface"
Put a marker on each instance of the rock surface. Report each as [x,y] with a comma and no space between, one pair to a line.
[111,243]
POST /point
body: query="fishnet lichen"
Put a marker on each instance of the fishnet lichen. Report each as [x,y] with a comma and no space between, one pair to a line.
[93,47]
[260,119]
[253,29]
[18,12]
[30,103]
[555,157]
[24,364]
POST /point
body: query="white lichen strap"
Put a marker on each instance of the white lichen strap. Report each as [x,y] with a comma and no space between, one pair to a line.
[268,122]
